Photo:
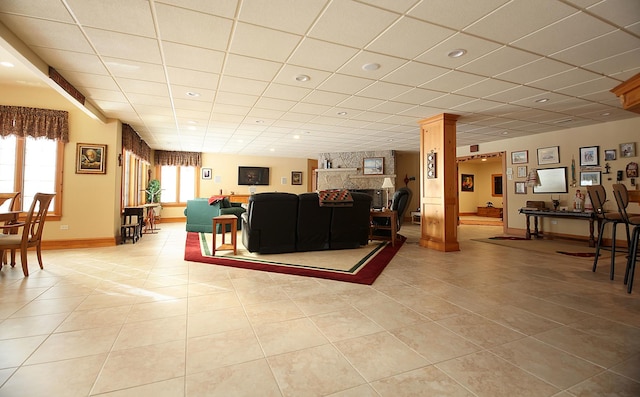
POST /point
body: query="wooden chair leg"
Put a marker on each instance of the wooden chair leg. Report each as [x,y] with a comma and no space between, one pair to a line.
[39,253]
[23,259]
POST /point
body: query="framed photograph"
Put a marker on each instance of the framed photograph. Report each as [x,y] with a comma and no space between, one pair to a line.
[628,149]
[549,155]
[610,154]
[521,188]
[91,159]
[466,182]
[521,157]
[296,177]
[206,173]
[522,171]
[589,178]
[589,155]
[373,166]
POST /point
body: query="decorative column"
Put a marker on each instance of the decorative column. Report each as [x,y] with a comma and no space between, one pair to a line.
[439,187]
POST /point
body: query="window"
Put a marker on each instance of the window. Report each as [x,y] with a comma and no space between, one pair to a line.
[178,183]
[134,179]
[31,165]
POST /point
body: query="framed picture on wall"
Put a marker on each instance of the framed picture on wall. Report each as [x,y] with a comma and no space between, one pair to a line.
[520,157]
[466,182]
[373,166]
[91,158]
[589,155]
[206,173]
[522,171]
[521,188]
[628,149]
[590,178]
[549,155]
[296,177]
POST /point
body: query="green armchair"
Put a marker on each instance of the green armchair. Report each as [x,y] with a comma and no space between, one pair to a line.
[200,214]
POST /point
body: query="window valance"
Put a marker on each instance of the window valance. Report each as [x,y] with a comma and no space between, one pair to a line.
[185,159]
[132,142]
[34,122]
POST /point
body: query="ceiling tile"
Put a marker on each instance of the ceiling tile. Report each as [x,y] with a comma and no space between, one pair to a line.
[191,57]
[414,74]
[61,36]
[321,55]
[416,36]
[193,28]
[125,16]
[287,15]
[455,13]
[506,24]
[109,44]
[499,61]
[352,24]
[259,42]
[344,84]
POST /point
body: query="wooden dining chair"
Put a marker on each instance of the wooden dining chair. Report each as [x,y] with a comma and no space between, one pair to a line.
[622,198]
[7,226]
[598,197]
[31,235]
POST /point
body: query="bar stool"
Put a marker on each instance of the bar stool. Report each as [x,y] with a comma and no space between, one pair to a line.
[598,197]
[223,221]
[622,198]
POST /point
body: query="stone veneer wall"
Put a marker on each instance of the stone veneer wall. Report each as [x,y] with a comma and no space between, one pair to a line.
[346,170]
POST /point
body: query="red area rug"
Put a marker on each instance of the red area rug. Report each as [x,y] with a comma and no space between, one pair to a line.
[363,269]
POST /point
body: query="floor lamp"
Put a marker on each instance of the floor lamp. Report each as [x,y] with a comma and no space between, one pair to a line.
[386,185]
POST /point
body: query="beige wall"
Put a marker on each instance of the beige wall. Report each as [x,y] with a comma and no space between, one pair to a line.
[408,164]
[89,208]
[606,136]
[91,203]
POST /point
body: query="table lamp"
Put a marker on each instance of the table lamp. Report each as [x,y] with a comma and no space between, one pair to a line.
[386,185]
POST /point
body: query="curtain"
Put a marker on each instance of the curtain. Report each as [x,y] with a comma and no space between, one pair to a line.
[132,142]
[34,122]
[185,159]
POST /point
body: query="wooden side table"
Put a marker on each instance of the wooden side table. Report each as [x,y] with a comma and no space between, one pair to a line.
[223,221]
[393,225]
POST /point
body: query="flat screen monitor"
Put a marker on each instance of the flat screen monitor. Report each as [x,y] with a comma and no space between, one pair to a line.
[253,176]
[552,180]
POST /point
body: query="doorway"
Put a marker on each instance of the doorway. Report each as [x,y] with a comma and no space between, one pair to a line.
[482,198]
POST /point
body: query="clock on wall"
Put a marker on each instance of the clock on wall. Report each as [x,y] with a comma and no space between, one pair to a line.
[431,165]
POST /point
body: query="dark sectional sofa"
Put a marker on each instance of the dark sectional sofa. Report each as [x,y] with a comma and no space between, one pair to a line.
[285,222]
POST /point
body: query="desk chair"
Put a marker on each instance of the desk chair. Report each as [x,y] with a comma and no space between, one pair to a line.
[598,197]
[622,198]
[32,228]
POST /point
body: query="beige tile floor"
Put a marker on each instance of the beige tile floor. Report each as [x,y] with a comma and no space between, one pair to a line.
[137,320]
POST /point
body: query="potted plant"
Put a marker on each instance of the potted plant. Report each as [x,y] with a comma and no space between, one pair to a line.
[153,191]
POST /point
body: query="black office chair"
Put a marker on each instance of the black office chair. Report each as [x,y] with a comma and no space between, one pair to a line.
[598,197]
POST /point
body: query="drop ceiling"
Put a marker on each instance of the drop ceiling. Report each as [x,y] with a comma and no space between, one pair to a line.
[297,78]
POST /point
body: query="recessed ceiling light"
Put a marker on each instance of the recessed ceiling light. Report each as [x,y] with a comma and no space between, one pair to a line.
[606,114]
[369,67]
[193,94]
[484,159]
[272,150]
[259,121]
[296,137]
[302,78]
[7,64]
[342,113]
[505,132]
[456,53]
[542,100]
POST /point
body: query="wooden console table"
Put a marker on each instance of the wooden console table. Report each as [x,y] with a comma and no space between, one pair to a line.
[393,226]
[537,213]
[491,212]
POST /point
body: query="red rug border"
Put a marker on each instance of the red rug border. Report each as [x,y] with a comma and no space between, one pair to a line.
[367,275]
